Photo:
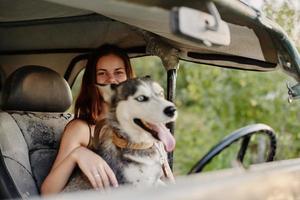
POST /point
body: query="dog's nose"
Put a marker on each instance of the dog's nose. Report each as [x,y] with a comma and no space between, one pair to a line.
[170,111]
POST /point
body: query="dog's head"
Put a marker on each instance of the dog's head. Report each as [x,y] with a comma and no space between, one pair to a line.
[140,110]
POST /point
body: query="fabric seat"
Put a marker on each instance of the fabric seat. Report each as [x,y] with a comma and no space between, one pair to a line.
[34,101]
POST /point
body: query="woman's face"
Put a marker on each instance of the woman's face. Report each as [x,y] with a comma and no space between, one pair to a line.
[110,69]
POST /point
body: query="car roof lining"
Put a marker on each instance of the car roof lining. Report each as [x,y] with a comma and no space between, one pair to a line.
[51,33]
[18,11]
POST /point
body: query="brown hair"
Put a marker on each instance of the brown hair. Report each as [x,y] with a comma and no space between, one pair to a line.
[89,103]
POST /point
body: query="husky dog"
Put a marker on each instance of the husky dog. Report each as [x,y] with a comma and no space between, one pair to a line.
[133,139]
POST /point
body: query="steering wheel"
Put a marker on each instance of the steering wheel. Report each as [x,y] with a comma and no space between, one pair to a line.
[244,133]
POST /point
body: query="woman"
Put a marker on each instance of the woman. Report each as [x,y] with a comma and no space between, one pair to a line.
[109,64]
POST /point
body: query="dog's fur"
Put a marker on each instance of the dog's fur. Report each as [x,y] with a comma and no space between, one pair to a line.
[139,98]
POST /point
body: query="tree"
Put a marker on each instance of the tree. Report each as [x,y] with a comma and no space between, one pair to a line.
[287,14]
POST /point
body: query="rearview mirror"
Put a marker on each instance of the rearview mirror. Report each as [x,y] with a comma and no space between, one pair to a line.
[194,24]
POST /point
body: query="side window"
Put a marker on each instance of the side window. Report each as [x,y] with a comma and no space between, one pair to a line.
[75,88]
[149,65]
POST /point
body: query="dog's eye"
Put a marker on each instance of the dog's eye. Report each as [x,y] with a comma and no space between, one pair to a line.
[141,98]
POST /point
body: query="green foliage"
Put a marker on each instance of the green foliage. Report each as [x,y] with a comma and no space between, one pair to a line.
[214,102]
[225,100]
[287,14]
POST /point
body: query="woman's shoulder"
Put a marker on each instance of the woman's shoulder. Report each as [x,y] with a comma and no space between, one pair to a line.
[77,123]
[78,129]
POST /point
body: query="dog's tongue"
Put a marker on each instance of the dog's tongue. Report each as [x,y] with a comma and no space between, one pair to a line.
[165,136]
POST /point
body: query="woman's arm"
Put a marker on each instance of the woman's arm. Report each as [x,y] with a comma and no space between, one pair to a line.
[73,152]
[74,135]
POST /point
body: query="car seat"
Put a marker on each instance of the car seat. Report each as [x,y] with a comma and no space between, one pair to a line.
[34,101]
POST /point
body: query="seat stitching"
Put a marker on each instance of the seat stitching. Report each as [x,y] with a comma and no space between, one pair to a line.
[19,164]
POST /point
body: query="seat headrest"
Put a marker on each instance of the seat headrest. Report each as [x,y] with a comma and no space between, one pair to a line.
[36,88]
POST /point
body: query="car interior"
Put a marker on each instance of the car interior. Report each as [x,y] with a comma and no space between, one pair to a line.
[44,46]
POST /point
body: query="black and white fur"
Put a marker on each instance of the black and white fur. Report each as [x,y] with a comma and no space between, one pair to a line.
[131,101]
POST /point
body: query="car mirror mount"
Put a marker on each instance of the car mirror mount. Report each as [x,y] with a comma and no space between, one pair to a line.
[168,55]
[293,92]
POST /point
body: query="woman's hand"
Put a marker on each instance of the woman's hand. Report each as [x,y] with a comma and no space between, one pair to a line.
[95,168]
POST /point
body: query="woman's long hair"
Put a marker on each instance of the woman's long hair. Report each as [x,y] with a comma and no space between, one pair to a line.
[89,104]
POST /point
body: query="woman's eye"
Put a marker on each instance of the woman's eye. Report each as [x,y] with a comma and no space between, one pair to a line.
[119,73]
[141,98]
[100,73]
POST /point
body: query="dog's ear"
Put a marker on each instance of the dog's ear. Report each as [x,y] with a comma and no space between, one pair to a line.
[107,91]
